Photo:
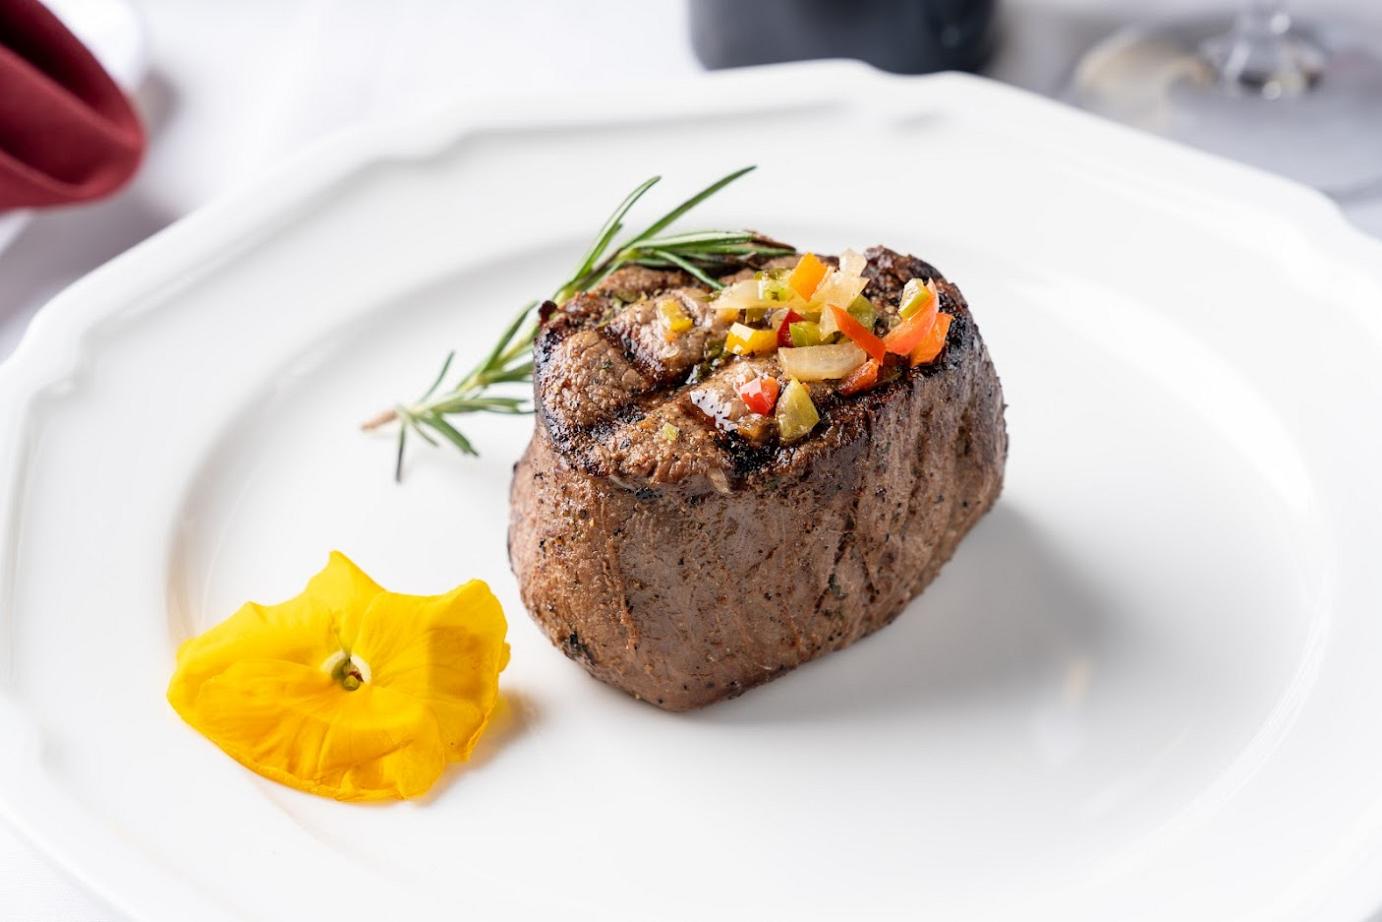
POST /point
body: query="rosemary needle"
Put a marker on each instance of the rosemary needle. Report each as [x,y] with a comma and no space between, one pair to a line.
[701,254]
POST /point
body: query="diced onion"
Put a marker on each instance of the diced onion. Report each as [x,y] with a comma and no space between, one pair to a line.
[821,363]
[738,296]
[842,285]
[852,262]
[829,326]
[752,294]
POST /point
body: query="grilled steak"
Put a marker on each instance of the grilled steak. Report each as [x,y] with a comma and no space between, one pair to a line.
[676,545]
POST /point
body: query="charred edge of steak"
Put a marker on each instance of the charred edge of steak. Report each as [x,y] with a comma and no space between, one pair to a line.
[614,370]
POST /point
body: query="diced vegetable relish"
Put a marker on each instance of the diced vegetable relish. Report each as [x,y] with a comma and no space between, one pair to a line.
[816,321]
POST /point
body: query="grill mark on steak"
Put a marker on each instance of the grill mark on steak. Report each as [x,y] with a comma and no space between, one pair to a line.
[576,649]
[666,361]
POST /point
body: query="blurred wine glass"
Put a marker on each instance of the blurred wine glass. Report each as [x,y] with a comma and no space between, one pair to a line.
[1301,99]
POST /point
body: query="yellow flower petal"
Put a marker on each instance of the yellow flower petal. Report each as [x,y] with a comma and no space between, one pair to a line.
[296,725]
[447,650]
[342,586]
[347,690]
[300,630]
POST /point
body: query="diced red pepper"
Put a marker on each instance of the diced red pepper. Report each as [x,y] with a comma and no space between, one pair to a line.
[931,346]
[784,329]
[760,395]
[861,378]
[907,335]
[862,336]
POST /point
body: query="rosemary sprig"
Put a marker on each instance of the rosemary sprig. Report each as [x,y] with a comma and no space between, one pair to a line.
[701,254]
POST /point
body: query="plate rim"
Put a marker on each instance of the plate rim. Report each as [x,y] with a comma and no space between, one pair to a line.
[53,348]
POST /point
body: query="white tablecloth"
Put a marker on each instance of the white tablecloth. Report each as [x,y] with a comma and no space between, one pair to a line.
[235,86]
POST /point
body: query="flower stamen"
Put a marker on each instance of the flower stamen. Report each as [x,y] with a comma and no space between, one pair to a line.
[347,669]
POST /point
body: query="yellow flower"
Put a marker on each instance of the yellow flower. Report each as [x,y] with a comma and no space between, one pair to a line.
[347,690]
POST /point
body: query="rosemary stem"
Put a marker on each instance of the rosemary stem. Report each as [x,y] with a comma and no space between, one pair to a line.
[380,420]
[521,345]
[703,255]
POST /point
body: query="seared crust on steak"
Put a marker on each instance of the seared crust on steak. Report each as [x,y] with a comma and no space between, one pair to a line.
[688,569]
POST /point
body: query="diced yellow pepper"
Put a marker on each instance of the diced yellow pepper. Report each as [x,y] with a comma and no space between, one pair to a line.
[673,318]
[807,275]
[796,414]
[745,340]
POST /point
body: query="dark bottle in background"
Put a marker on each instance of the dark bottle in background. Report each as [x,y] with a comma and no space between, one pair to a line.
[902,36]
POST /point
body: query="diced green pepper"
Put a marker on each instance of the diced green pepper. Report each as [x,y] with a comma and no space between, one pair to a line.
[915,296]
[771,289]
[796,415]
[862,310]
[805,333]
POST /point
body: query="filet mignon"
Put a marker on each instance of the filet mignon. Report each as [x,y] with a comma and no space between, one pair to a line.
[672,543]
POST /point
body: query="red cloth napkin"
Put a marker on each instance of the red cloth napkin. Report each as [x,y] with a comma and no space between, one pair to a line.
[67,132]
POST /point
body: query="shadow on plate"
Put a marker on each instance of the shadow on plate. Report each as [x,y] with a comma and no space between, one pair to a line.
[1007,617]
[514,715]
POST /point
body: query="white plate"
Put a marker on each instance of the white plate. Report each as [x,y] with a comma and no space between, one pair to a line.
[1146,687]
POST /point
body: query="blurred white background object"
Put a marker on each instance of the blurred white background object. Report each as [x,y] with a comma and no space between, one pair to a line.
[231,88]
[1298,97]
